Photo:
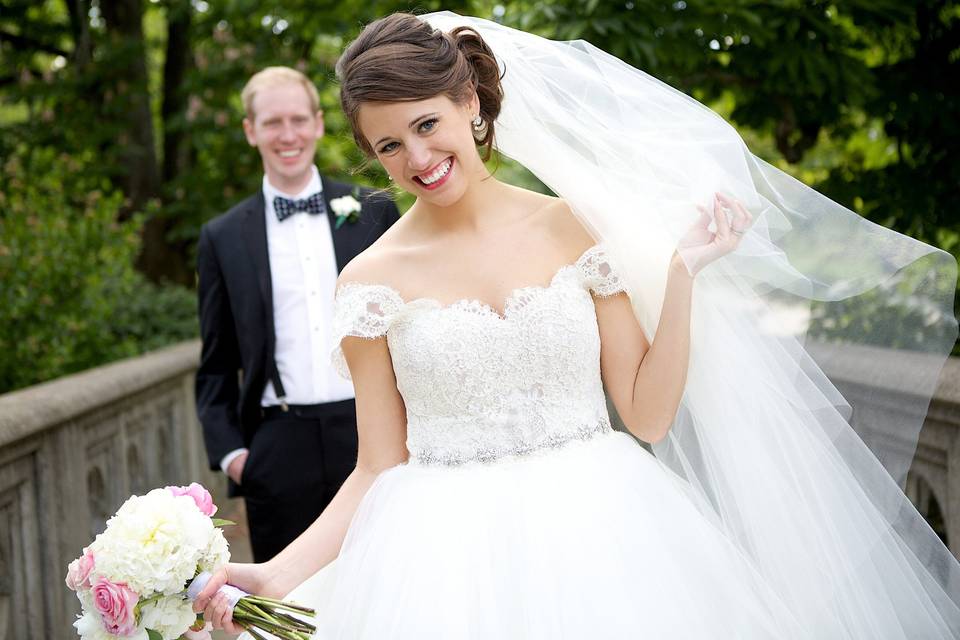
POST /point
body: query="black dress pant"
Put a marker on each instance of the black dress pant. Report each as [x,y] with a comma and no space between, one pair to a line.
[298,460]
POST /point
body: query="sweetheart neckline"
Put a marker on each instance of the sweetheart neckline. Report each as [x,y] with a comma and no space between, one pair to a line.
[511,296]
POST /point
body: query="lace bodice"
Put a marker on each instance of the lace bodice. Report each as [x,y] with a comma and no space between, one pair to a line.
[479,386]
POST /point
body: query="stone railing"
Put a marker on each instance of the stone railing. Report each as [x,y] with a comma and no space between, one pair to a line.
[882,387]
[934,481]
[71,451]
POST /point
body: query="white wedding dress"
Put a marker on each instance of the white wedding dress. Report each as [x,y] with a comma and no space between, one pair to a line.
[521,513]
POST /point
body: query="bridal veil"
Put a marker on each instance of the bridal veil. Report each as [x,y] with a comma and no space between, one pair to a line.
[763,437]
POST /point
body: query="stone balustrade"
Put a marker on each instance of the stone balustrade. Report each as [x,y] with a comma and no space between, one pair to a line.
[882,387]
[72,450]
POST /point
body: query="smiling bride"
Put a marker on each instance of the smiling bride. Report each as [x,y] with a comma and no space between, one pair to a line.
[491,496]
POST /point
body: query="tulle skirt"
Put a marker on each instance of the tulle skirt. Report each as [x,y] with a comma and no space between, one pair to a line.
[594,540]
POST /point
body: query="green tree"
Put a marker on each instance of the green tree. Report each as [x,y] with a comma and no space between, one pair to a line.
[71,298]
[151,88]
[853,96]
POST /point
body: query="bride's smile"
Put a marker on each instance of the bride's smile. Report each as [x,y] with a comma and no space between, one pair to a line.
[436,176]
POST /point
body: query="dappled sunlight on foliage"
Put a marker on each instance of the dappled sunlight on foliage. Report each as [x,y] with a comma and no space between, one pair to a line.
[852,98]
[71,298]
[139,101]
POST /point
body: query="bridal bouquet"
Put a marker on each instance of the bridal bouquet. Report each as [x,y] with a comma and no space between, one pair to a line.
[133,580]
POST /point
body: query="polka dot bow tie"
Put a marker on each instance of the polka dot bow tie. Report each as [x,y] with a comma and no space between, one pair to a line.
[285,207]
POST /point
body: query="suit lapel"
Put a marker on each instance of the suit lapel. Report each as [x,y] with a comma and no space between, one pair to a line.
[255,234]
[345,239]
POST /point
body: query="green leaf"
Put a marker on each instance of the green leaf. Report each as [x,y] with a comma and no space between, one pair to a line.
[220,522]
[154,635]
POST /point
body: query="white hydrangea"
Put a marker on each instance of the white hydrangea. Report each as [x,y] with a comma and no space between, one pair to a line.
[170,617]
[154,543]
[86,599]
[217,553]
[90,627]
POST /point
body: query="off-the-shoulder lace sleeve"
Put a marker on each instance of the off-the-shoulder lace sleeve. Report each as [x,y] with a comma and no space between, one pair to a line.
[362,311]
[599,275]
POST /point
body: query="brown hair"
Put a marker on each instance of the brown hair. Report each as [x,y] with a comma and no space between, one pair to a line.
[401,58]
[272,77]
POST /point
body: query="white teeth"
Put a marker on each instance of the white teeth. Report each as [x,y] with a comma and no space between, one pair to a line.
[439,173]
[290,154]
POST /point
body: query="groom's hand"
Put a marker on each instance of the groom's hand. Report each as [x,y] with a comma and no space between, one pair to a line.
[235,469]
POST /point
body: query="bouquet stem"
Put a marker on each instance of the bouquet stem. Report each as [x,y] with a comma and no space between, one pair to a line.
[259,613]
[252,615]
[280,604]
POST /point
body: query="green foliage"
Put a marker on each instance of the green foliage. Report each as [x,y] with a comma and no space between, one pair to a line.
[917,111]
[851,97]
[70,298]
[62,86]
[893,314]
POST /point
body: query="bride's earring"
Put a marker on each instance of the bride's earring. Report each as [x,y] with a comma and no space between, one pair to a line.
[479,128]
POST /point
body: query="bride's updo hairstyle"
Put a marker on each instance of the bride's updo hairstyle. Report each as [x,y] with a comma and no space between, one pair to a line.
[401,58]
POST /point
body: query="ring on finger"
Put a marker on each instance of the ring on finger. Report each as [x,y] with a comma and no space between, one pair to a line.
[220,606]
[203,603]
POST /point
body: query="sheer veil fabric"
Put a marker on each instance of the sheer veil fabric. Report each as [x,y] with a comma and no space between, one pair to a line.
[763,438]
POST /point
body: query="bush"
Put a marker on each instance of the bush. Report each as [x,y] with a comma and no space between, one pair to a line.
[70,298]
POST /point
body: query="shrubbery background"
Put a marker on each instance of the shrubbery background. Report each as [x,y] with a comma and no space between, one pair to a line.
[71,298]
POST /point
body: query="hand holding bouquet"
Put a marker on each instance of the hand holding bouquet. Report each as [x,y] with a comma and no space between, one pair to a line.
[133,580]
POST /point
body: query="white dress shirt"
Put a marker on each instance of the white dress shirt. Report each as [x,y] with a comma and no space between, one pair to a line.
[303,273]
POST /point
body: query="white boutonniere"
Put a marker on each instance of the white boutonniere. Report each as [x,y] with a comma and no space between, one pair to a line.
[346,209]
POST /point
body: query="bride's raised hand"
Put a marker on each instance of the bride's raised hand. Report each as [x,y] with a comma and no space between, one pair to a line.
[699,246]
[216,605]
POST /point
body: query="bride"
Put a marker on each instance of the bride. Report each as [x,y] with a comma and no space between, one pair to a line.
[491,497]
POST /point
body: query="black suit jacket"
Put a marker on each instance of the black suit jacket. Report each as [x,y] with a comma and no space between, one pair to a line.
[236,309]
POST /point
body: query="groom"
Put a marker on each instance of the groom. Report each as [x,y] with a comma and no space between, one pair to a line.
[277,419]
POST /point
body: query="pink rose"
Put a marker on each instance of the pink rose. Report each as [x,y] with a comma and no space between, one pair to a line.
[78,572]
[116,604]
[200,495]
